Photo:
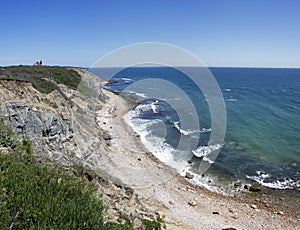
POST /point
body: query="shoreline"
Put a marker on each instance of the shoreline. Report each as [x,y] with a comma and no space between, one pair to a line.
[182,204]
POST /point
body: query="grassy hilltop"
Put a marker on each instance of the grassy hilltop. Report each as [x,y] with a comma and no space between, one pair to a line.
[42,78]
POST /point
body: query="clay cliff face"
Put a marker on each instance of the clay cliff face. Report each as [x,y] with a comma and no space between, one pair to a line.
[61,124]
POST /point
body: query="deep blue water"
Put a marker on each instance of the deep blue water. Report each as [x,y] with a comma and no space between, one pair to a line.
[262,140]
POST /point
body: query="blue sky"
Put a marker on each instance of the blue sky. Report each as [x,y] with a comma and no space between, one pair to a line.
[220,33]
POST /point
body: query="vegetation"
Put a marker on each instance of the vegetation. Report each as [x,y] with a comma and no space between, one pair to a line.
[34,196]
[43,78]
[152,224]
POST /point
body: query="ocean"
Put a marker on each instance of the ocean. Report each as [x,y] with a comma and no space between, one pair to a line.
[262,139]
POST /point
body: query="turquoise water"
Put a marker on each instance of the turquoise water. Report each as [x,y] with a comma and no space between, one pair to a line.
[262,140]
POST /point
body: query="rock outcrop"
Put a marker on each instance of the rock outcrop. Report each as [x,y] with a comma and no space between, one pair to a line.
[61,125]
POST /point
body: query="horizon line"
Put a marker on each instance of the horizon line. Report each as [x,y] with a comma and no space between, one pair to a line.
[155,66]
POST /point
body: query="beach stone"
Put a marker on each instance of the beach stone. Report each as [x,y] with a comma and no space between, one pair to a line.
[192,203]
[230,210]
[189,175]
[107,137]
[280,213]
[216,213]
[253,206]
[131,202]
[238,184]
[255,187]
[171,202]
[229,229]
[160,214]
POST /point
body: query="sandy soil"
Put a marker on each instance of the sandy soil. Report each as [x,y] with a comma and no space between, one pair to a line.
[160,188]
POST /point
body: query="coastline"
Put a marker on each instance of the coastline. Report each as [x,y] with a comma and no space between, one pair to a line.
[181,204]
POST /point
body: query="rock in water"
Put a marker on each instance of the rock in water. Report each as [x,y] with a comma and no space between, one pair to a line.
[189,175]
[255,187]
[238,184]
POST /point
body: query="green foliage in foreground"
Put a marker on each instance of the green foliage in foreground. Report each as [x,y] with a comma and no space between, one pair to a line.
[40,197]
[152,224]
[42,78]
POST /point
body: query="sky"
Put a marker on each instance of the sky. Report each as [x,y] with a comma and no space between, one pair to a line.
[256,33]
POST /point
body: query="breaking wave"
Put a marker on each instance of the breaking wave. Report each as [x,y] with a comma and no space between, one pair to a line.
[268,180]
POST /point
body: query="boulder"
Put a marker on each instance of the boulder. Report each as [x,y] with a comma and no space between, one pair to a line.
[189,175]
[255,187]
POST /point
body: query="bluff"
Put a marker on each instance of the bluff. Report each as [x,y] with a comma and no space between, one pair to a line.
[55,108]
[58,123]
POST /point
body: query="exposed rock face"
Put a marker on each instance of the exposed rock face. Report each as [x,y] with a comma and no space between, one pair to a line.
[61,125]
[33,124]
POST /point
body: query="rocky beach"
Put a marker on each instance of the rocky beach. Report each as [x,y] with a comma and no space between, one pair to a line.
[84,126]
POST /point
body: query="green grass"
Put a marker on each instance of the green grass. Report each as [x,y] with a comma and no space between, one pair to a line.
[42,78]
[44,197]
[152,224]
